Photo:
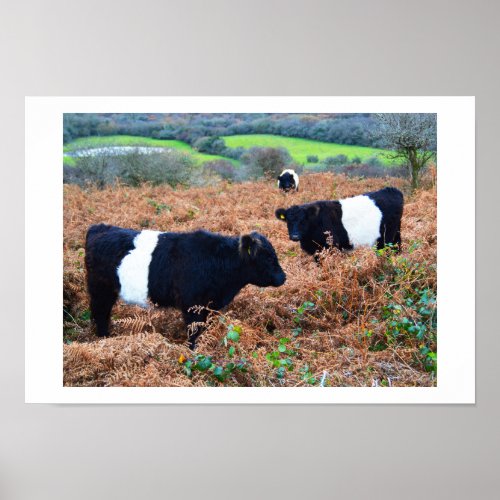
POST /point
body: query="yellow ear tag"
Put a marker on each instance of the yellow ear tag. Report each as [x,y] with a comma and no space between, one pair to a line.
[282,216]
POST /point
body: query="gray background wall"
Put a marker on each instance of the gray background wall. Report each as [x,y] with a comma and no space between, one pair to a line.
[386,47]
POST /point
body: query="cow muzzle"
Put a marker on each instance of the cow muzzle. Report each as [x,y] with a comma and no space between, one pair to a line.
[280,279]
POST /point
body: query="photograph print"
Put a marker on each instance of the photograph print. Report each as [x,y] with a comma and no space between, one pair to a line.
[264,250]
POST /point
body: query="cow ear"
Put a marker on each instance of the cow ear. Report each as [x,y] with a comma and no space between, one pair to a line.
[312,210]
[247,243]
[281,214]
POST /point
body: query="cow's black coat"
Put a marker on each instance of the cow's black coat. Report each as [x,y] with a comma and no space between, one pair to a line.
[286,182]
[186,270]
[313,223]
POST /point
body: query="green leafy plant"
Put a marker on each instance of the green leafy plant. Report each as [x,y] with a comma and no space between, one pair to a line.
[415,319]
[159,207]
[85,315]
[281,358]
[221,370]
[307,375]
[233,335]
[388,250]
[299,316]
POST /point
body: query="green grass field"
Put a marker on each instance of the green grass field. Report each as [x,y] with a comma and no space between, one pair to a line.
[299,149]
[70,161]
[130,140]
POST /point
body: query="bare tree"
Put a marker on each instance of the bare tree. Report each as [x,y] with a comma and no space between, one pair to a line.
[411,137]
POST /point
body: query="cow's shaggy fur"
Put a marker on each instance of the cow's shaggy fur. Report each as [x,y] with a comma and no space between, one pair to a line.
[179,270]
[369,219]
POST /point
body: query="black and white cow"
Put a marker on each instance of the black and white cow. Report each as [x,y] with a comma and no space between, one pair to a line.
[364,220]
[288,180]
[178,270]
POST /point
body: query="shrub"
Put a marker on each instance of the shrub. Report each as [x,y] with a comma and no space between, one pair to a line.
[133,169]
[95,170]
[366,170]
[373,167]
[374,161]
[312,159]
[211,145]
[319,168]
[169,167]
[270,160]
[299,169]
[248,172]
[234,153]
[336,160]
[72,175]
[223,168]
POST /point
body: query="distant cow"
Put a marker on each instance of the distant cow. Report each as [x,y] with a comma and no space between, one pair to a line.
[364,220]
[179,270]
[288,180]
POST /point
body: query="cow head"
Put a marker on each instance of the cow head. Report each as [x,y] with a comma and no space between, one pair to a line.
[288,180]
[299,219]
[261,261]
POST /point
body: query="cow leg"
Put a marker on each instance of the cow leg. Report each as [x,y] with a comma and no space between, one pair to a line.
[194,330]
[397,239]
[100,308]
[380,243]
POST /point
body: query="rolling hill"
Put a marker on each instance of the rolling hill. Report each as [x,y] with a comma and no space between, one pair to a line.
[300,149]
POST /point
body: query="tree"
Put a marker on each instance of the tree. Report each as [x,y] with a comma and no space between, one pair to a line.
[411,137]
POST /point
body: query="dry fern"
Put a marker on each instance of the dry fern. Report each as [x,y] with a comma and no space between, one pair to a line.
[139,323]
[146,344]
